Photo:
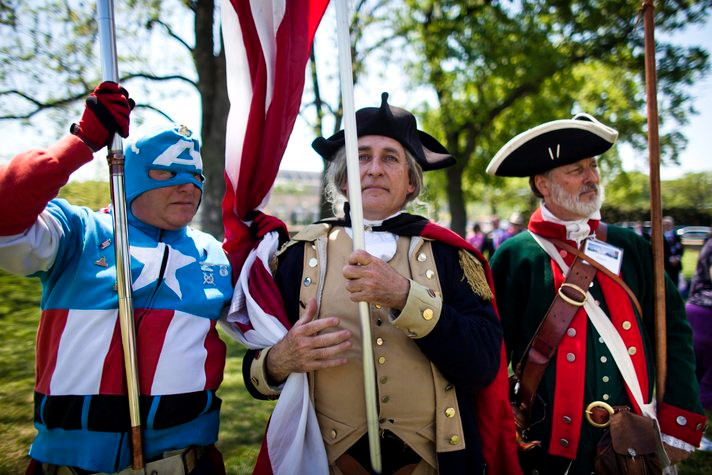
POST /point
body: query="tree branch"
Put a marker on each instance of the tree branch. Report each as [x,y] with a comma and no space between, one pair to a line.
[155,109]
[64,101]
[172,34]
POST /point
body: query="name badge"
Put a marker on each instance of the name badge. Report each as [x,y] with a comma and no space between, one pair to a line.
[607,255]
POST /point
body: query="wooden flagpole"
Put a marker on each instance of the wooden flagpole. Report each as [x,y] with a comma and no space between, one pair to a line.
[115,157]
[354,190]
[655,201]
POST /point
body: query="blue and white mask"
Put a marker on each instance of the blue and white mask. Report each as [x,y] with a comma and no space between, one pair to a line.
[173,149]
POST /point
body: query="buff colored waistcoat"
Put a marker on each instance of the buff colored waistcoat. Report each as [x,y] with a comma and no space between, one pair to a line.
[415,402]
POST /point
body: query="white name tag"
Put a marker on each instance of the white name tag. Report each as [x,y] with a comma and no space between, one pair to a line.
[609,256]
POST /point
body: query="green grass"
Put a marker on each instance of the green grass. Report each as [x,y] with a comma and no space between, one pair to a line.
[243,418]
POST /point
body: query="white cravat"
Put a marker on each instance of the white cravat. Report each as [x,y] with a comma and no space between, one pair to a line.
[577,230]
[381,244]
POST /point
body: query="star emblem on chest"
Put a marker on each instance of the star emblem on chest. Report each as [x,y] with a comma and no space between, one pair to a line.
[152,259]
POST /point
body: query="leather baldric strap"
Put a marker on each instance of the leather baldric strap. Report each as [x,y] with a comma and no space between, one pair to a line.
[602,268]
[567,301]
[569,298]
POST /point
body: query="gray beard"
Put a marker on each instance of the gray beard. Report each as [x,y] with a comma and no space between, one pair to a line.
[573,203]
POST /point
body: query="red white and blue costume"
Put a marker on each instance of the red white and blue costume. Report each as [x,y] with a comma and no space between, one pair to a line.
[181,282]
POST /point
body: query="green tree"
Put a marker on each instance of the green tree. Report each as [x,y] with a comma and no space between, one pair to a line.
[692,190]
[498,68]
[49,62]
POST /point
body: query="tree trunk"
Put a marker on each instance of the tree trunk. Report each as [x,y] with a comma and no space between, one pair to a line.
[212,86]
[456,199]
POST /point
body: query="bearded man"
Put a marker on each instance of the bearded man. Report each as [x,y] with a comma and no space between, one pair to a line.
[571,328]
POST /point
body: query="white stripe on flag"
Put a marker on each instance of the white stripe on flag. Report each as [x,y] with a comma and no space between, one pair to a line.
[267,17]
[239,89]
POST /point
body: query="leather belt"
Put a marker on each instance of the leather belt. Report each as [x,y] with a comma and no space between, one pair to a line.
[599,413]
[175,462]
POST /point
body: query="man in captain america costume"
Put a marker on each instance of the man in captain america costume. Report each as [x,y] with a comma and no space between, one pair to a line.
[180,280]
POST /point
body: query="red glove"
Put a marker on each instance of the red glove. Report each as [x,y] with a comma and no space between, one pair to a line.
[106,113]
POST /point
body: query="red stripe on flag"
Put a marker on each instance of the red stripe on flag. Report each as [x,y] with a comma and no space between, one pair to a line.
[266,294]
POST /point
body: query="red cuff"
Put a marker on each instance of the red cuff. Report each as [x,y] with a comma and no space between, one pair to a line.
[33,178]
[681,424]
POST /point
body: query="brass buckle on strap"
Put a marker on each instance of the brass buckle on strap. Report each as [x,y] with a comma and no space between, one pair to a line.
[599,405]
[568,299]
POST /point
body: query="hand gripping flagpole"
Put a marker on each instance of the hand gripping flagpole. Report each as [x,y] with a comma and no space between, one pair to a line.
[656,233]
[354,189]
[115,157]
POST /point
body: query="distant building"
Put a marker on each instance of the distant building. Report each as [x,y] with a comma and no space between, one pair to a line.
[295,197]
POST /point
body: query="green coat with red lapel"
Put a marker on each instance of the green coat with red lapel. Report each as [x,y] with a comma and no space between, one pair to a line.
[524,283]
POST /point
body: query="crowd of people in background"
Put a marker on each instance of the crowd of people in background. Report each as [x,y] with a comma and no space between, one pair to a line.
[488,242]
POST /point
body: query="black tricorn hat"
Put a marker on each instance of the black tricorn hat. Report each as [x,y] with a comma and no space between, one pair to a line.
[396,123]
[552,145]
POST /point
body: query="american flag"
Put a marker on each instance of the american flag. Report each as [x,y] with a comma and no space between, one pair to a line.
[267,44]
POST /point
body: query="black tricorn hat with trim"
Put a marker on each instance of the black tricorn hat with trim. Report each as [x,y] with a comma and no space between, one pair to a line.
[552,145]
[396,123]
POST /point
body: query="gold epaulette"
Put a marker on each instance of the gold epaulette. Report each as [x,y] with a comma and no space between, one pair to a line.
[475,274]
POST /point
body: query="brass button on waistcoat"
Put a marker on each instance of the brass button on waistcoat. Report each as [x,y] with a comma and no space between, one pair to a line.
[379,341]
[564,443]
[450,412]
[454,440]
[313,262]
[428,314]
[333,434]
[626,325]
[429,274]
[381,359]
[422,257]
[632,350]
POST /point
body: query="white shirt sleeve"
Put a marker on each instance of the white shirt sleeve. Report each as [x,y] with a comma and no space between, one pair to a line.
[33,250]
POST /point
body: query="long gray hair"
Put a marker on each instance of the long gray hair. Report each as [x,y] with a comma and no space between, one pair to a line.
[336,180]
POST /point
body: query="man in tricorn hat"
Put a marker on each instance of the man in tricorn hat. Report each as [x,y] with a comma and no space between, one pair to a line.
[592,286]
[436,337]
